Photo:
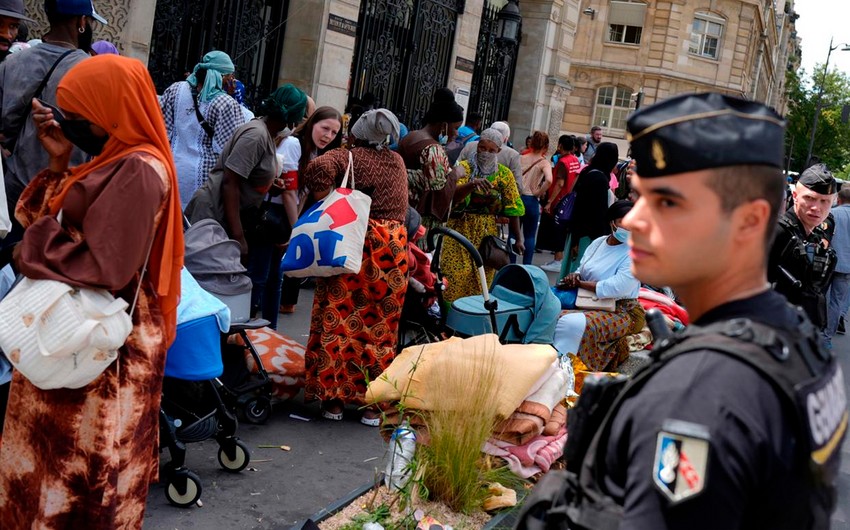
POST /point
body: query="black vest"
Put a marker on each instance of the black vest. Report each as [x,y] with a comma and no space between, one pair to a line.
[807,379]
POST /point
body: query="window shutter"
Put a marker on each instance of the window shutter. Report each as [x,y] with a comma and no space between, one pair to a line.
[627,13]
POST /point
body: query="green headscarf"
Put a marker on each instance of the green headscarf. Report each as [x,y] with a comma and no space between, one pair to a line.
[287,103]
[216,63]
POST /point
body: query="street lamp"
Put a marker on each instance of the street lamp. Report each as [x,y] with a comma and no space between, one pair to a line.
[508,22]
[820,95]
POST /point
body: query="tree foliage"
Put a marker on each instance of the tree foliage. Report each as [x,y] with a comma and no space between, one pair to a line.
[832,139]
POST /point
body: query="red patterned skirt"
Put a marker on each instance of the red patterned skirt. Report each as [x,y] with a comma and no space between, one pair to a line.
[354,325]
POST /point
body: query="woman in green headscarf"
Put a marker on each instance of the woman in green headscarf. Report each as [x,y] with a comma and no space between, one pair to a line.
[200,118]
[244,176]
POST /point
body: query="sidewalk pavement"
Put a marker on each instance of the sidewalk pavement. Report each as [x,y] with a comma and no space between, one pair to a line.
[327,460]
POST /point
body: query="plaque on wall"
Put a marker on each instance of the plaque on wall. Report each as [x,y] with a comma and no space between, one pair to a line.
[342,25]
[464,65]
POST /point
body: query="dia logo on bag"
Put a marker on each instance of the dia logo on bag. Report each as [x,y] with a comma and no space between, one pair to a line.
[328,238]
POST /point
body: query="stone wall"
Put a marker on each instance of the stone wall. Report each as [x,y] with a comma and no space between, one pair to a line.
[662,66]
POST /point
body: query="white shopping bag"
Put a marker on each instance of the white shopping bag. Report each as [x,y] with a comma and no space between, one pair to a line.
[328,238]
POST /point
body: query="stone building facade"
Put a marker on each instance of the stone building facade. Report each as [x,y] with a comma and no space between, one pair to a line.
[658,49]
[319,39]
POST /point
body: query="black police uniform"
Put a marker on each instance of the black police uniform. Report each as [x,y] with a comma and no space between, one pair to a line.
[738,421]
[753,477]
[801,265]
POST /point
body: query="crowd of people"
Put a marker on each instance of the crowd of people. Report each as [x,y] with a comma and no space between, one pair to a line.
[84,133]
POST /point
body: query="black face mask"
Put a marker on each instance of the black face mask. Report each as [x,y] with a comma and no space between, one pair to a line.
[78,132]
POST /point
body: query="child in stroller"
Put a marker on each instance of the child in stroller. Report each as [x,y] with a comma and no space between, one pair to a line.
[420,315]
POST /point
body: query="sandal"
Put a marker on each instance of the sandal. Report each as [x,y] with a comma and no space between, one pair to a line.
[328,415]
[371,418]
[330,406]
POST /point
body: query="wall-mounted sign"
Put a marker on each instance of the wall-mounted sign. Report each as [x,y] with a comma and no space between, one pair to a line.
[464,65]
[342,25]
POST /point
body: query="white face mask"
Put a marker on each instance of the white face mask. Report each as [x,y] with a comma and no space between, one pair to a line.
[621,234]
[486,162]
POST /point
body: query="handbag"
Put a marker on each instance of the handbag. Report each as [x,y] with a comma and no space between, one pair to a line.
[495,252]
[59,336]
[272,224]
[328,238]
[588,300]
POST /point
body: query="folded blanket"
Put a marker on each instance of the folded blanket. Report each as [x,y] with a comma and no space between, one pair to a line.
[535,456]
[535,412]
[196,303]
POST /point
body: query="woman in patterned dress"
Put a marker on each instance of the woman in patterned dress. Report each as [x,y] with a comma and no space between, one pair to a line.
[486,190]
[598,338]
[83,458]
[354,325]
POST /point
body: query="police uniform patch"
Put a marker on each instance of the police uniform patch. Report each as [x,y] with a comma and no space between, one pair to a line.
[824,405]
[681,460]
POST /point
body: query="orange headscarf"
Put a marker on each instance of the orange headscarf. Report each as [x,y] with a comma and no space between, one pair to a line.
[117,94]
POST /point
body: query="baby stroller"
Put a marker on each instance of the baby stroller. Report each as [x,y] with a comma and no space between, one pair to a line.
[519,306]
[192,408]
[214,261]
[420,315]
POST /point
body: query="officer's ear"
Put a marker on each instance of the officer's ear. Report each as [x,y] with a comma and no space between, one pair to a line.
[749,222]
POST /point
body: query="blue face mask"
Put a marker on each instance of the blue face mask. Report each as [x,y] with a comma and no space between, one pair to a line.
[443,139]
[621,234]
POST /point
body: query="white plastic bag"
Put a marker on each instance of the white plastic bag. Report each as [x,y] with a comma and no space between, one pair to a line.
[328,238]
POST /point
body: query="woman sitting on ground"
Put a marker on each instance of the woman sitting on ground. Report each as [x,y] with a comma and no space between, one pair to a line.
[596,337]
[354,326]
[486,189]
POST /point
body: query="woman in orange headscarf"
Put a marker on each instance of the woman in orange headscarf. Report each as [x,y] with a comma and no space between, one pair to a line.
[84,458]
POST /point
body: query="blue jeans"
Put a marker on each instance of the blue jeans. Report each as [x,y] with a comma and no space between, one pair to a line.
[265,277]
[838,299]
[529,223]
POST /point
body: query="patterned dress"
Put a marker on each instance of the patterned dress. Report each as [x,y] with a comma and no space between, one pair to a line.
[475,218]
[428,174]
[84,458]
[604,344]
[354,324]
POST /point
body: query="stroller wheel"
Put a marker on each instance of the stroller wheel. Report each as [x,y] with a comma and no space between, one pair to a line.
[241,457]
[257,410]
[191,493]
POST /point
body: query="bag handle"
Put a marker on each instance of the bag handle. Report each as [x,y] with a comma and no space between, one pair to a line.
[542,158]
[83,331]
[348,171]
[141,275]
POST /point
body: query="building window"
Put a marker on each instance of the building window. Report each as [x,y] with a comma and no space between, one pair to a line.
[625,21]
[613,105]
[705,36]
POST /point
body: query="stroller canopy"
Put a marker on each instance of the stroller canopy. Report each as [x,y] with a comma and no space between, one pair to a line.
[528,280]
[214,259]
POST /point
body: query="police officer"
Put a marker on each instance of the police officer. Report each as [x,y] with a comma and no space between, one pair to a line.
[737,421]
[801,260]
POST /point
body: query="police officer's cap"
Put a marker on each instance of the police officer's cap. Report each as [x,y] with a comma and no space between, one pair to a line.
[819,179]
[704,131]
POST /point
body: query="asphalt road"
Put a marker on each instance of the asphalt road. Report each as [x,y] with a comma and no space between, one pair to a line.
[327,461]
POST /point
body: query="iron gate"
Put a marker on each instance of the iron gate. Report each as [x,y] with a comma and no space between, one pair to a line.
[495,65]
[403,53]
[250,31]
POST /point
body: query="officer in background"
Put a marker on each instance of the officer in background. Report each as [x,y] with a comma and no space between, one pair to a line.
[738,421]
[801,258]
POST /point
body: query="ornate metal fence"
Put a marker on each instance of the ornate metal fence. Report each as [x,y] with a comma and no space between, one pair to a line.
[495,65]
[250,31]
[403,53]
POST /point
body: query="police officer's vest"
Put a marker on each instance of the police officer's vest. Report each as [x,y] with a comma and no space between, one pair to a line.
[808,380]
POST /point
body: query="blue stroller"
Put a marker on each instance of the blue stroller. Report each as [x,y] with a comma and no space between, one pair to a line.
[519,306]
[192,408]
